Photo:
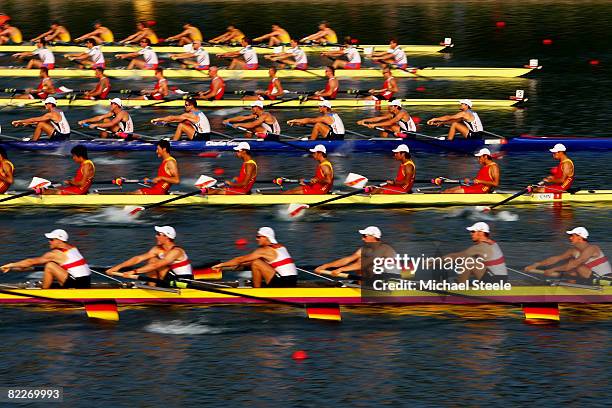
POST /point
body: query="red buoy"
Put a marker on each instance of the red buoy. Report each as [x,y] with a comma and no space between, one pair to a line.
[420,89]
[500,24]
[594,62]
[213,155]
[299,355]
[547,41]
[241,242]
[416,120]
[218,171]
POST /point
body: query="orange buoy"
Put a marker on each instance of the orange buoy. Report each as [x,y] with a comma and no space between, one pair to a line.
[299,355]
[500,24]
[547,41]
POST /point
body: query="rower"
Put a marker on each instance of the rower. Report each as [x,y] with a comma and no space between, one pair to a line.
[278,36]
[274,90]
[323,180]
[489,265]
[217,86]
[197,58]
[102,89]
[10,35]
[294,56]
[63,263]
[232,35]
[100,34]
[56,32]
[115,120]
[397,122]
[487,179]
[362,260]
[165,261]
[53,123]
[46,59]
[388,90]
[583,262]
[353,59]
[466,121]
[7,170]
[331,87]
[193,123]
[562,176]
[246,58]
[160,91]
[149,61]
[323,36]
[327,126]
[190,34]
[271,264]
[259,123]
[167,172]
[82,181]
[393,56]
[93,58]
[406,174]
[44,89]
[143,32]
[247,176]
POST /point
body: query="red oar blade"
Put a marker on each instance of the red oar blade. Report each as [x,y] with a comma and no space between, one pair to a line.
[324,312]
[102,311]
[296,210]
[133,210]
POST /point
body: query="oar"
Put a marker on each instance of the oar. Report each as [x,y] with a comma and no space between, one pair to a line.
[36,185]
[313,311]
[203,182]
[272,134]
[96,309]
[527,189]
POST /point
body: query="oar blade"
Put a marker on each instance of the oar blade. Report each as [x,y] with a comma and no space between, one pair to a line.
[207,274]
[296,210]
[541,312]
[329,312]
[133,210]
[355,180]
[102,311]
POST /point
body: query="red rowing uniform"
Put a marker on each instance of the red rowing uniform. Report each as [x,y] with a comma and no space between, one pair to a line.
[272,92]
[157,95]
[242,177]
[75,190]
[328,88]
[3,185]
[221,90]
[320,187]
[388,93]
[161,187]
[42,94]
[558,172]
[401,179]
[484,174]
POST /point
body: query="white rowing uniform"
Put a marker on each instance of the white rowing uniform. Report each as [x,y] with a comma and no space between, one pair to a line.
[202,57]
[249,55]
[96,55]
[399,56]
[337,126]
[475,125]
[62,126]
[283,264]
[127,126]
[598,264]
[273,128]
[494,259]
[150,57]
[75,264]
[299,55]
[407,126]
[352,54]
[202,125]
[45,55]
[180,267]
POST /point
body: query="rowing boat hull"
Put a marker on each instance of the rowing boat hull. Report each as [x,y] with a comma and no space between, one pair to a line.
[392,200]
[412,49]
[343,296]
[226,103]
[428,72]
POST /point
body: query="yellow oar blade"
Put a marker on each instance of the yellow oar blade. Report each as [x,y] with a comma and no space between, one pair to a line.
[324,312]
[102,311]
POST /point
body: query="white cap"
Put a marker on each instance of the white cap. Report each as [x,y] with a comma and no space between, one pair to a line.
[580,231]
[116,101]
[319,148]
[268,233]
[401,148]
[259,104]
[242,146]
[372,231]
[167,231]
[466,102]
[57,234]
[482,152]
[50,99]
[396,102]
[479,226]
[326,104]
[558,148]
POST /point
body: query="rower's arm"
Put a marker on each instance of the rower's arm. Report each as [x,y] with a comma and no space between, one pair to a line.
[169,257]
[182,34]
[114,121]
[315,36]
[250,171]
[238,119]
[134,37]
[41,35]
[135,260]
[574,263]
[339,263]
[93,33]
[328,176]
[171,118]
[34,120]
[264,37]
[222,38]
[332,53]
[567,169]
[173,173]
[51,256]
[239,260]
[446,118]
[79,57]
[408,175]
[6,175]
[128,55]
[551,260]
[98,118]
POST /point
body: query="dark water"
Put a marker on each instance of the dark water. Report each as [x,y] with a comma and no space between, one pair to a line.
[380,356]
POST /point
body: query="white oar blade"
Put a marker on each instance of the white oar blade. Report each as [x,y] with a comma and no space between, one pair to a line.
[296,210]
[355,180]
[133,209]
[205,182]
[38,182]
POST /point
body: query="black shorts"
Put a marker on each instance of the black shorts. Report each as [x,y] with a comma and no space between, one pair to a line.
[82,282]
[333,136]
[201,136]
[490,278]
[279,281]
[476,135]
[57,136]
